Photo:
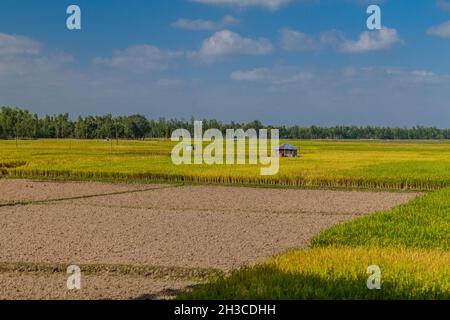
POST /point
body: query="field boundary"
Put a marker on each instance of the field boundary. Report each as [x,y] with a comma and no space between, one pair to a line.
[338,183]
[154,272]
[409,243]
[35,202]
[298,212]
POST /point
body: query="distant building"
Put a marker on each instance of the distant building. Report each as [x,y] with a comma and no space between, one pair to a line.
[287,150]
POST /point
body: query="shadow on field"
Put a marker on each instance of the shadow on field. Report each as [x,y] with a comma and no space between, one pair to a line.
[269,283]
[165,294]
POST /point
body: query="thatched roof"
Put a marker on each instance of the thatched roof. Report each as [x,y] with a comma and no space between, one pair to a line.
[287,146]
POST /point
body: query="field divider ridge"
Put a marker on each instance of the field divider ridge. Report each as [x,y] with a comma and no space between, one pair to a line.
[299,212]
[34,202]
[147,271]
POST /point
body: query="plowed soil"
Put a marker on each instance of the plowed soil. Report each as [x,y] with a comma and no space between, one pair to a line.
[192,227]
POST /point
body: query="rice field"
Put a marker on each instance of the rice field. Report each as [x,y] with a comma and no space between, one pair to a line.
[422,223]
[337,274]
[138,240]
[410,244]
[321,164]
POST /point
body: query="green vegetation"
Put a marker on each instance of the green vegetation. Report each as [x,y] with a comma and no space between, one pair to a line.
[423,223]
[411,245]
[15,122]
[336,273]
[323,164]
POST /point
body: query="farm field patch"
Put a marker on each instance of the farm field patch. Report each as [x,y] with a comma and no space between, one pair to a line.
[24,191]
[337,273]
[410,243]
[22,286]
[172,227]
[417,165]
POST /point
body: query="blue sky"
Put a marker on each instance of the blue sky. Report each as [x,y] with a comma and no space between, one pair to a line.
[280,61]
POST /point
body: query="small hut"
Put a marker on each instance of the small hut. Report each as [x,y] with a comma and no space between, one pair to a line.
[287,150]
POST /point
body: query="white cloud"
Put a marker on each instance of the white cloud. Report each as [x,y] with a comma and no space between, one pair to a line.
[37,65]
[141,58]
[423,73]
[428,77]
[267,4]
[275,76]
[292,40]
[398,75]
[332,39]
[41,79]
[372,41]
[18,45]
[284,78]
[297,41]
[226,43]
[23,56]
[259,74]
[441,31]
[200,24]
[443,5]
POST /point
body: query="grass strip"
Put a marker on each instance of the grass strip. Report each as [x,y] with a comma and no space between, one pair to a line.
[336,273]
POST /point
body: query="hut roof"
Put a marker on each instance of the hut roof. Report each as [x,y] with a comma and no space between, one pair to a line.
[287,146]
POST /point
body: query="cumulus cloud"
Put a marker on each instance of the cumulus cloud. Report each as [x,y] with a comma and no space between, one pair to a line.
[297,41]
[292,40]
[42,79]
[200,24]
[11,45]
[267,4]
[141,58]
[372,41]
[226,43]
[23,56]
[441,31]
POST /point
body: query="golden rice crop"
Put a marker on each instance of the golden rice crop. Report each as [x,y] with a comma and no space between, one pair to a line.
[322,164]
[337,273]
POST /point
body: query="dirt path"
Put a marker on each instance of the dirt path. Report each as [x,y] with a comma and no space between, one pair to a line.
[190,227]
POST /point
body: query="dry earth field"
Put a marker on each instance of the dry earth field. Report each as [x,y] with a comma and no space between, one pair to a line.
[152,241]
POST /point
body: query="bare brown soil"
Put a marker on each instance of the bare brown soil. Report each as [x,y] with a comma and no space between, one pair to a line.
[256,200]
[194,227]
[71,233]
[22,286]
[13,191]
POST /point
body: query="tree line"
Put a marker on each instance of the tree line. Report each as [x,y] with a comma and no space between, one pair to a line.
[18,123]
